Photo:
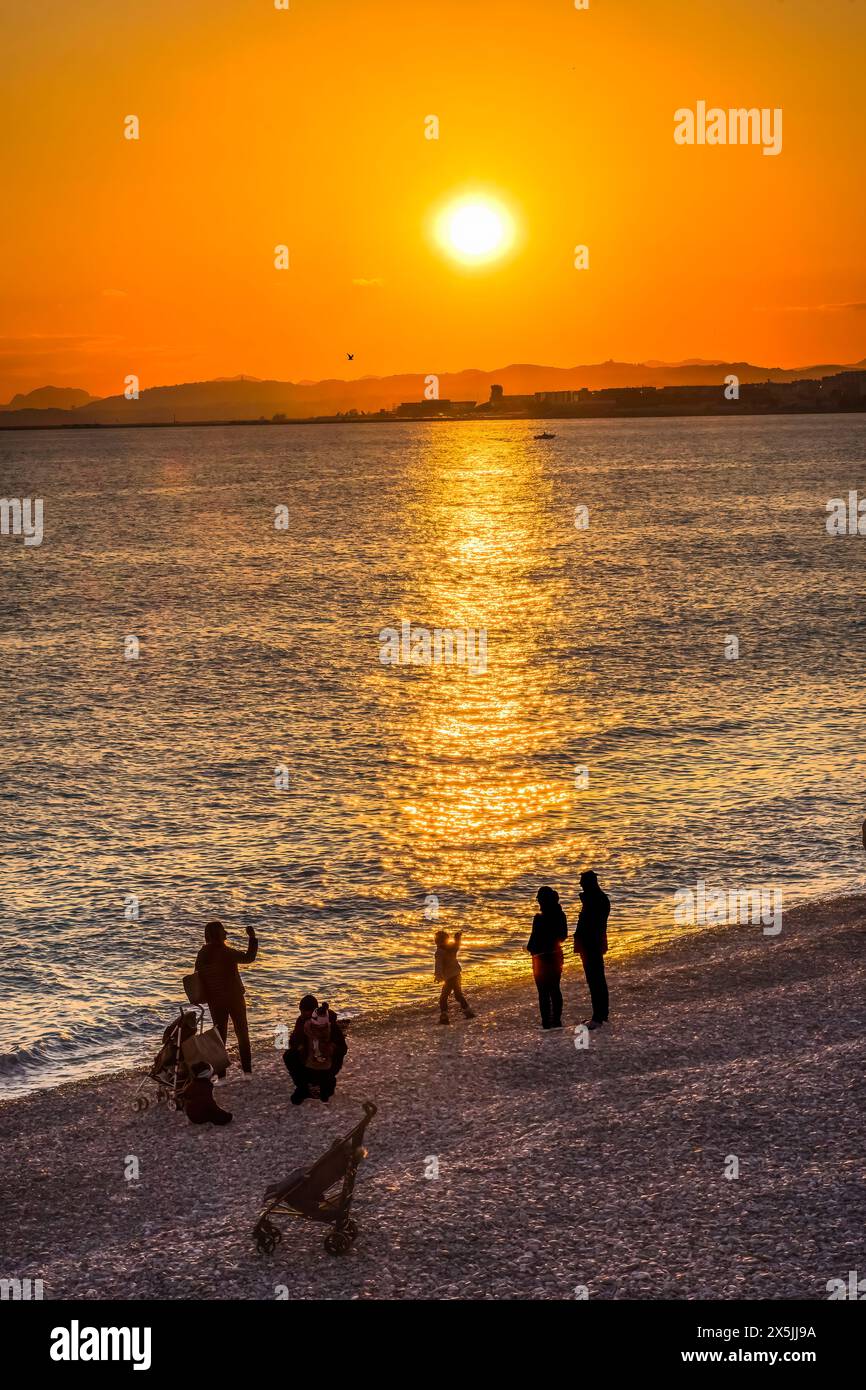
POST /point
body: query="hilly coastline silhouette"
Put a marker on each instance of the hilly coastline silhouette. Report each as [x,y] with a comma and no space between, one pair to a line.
[245,398]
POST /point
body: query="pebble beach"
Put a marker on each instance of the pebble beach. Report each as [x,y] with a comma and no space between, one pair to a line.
[709,1143]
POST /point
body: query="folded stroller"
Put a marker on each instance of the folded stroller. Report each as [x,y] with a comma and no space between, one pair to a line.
[169,1072]
[305,1193]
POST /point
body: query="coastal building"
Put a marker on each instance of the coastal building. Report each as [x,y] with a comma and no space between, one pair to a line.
[420,410]
[562,397]
[624,395]
[846,388]
[764,394]
[844,391]
[671,396]
[503,405]
[806,393]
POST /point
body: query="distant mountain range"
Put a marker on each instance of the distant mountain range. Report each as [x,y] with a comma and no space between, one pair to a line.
[50,398]
[246,398]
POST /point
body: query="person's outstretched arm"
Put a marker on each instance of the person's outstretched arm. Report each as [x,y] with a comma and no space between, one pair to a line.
[248,956]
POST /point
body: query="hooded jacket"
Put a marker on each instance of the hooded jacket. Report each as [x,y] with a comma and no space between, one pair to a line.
[548,929]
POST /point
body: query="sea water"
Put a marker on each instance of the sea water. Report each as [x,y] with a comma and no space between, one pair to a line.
[197,721]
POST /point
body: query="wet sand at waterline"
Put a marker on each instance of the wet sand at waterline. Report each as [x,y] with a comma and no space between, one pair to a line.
[558,1167]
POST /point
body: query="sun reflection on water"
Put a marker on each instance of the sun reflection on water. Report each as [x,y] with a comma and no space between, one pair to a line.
[471,797]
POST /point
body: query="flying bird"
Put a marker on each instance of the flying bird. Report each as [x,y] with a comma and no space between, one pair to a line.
[351,356]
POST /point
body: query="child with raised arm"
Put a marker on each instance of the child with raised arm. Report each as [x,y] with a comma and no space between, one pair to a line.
[447,968]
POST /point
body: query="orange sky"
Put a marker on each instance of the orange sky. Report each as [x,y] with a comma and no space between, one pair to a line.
[260,126]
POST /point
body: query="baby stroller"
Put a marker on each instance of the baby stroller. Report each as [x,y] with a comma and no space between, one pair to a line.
[305,1193]
[169,1072]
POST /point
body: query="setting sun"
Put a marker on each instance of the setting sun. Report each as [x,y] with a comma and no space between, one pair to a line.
[475,230]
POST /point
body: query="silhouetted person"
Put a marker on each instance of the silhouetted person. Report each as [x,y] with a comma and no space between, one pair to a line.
[198,1099]
[549,929]
[316,1051]
[590,943]
[447,970]
[217,964]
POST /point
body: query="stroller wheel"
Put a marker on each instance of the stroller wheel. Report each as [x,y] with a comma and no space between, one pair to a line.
[174,1102]
[337,1242]
[140,1103]
[350,1229]
[265,1243]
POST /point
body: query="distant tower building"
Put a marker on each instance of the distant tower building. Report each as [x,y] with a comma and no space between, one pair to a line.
[496,395]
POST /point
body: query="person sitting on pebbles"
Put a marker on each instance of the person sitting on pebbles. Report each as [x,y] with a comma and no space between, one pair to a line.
[198,1098]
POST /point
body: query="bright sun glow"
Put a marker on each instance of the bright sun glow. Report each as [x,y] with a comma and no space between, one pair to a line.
[475,230]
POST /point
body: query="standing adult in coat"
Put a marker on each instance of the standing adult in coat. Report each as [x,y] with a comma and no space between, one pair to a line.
[217,964]
[590,943]
[549,930]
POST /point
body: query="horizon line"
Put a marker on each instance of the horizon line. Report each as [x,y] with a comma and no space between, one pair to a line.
[651,364]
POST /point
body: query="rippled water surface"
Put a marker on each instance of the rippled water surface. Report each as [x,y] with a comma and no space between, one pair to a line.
[259,648]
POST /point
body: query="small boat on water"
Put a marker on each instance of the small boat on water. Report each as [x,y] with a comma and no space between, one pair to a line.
[545,436]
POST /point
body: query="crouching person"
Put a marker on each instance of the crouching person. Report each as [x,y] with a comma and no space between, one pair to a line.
[317,1048]
[198,1098]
